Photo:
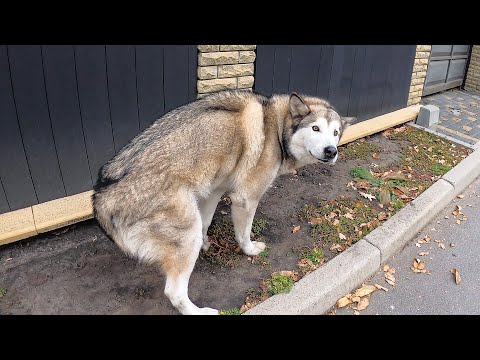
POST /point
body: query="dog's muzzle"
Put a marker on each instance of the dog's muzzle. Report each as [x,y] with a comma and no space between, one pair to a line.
[329,154]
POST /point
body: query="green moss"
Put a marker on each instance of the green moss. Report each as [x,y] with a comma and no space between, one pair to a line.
[440,169]
[315,255]
[359,150]
[362,173]
[397,204]
[280,284]
[325,231]
[258,226]
[264,253]
[234,311]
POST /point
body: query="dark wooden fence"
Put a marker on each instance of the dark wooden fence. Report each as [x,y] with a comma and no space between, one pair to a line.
[359,80]
[66,110]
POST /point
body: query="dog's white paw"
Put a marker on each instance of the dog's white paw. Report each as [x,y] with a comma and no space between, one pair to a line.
[254,248]
[207,311]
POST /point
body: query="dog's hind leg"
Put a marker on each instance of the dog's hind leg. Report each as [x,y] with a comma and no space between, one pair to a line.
[176,287]
[207,208]
[243,211]
[183,237]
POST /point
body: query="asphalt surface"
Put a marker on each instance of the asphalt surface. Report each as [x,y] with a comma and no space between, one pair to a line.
[435,292]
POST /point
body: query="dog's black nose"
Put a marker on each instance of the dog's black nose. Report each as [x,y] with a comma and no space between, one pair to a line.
[330,152]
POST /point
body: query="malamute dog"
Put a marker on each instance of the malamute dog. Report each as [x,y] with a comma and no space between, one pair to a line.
[157,196]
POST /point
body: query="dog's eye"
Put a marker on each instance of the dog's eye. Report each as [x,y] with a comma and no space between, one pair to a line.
[335,133]
[315,128]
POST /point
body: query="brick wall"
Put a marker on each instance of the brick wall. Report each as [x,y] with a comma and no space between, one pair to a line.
[222,67]
[419,73]
[473,73]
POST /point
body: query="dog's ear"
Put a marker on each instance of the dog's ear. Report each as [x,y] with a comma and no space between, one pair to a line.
[347,121]
[298,108]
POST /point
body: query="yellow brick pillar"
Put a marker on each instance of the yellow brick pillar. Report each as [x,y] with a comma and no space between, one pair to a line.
[419,73]
[472,82]
[222,67]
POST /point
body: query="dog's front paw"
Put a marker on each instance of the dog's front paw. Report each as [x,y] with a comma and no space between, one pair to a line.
[207,311]
[254,248]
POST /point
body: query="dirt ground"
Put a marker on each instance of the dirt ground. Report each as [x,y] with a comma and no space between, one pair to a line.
[81,271]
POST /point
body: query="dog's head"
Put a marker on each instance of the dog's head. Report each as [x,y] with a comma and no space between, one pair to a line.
[316,130]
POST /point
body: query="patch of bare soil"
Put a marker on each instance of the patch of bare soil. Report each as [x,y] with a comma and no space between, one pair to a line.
[305,219]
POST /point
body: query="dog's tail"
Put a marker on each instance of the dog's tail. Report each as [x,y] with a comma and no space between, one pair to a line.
[103,212]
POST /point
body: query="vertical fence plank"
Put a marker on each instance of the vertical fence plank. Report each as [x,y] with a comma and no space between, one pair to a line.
[61,85]
[281,69]
[341,77]
[34,119]
[3,199]
[192,72]
[264,67]
[376,82]
[150,83]
[17,183]
[304,69]
[358,93]
[175,85]
[325,71]
[122,90]
[94,104]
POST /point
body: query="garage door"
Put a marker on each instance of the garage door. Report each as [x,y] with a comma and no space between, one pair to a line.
[446,68]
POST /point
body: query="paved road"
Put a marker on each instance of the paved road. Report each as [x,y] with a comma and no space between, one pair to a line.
[436,293]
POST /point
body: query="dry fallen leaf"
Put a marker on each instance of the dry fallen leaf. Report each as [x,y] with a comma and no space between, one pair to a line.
[337,247]
[336,222]
[350,184]
[385,268]
[375,155]
[423,253]
[344,301]
[455,273]
[380,287]
[365,290]
[389,278]
[460,196]
[367,195]
[441,246]
[315,221]
[363,304]
[382,215]
[458,222]
[355,312]
[426,239]
[452,245]
[295,229]
[348,216]
[342,237]
[356,299]
[457,211]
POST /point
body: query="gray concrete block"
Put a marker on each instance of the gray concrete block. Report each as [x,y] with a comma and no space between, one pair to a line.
[404,225]
[319,290]
[428,115]
[465,172]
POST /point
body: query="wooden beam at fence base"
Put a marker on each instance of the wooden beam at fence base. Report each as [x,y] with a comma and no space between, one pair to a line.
[51,215]
[16,225]
[61,212]
[379,123]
